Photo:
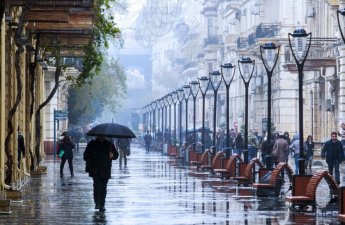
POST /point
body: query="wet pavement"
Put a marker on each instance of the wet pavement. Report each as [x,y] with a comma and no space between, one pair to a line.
[152,189]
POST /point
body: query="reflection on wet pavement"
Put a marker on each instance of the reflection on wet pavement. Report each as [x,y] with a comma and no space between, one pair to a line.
[150,190]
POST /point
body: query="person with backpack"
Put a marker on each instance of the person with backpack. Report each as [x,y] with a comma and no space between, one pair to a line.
[123,144]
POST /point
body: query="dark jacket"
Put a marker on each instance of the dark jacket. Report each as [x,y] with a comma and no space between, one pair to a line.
[333,151]
[309,148]
[239,142]
[67,146]
[97,159]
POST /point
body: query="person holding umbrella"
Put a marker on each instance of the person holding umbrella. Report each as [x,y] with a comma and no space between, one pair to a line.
[65,152]
[98,156]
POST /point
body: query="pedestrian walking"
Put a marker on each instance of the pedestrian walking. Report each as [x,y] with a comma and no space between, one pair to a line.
[98,156]
[295,148]
[65,152]
[341,133]
[309,150]
[333,152]
[266,151]
[123,145]
[147,140]
[21,147]
[238,144]
[280,150]
[252,149]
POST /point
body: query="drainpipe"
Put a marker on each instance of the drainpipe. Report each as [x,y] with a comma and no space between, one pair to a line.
[2,105]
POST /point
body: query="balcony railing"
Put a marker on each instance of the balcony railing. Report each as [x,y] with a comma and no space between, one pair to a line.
[321,48]
[262,31]
[267,30]
[212,40]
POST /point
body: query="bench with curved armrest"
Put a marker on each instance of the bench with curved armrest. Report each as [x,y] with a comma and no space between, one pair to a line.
[308,197]
[249,172]
[203,160]
[216,162]
[230,169]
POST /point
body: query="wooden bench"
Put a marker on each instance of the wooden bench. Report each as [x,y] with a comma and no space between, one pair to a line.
[275,177]
[230,168]
[341,203]
[203,160]
[173,150]
[249,172]
[216,163]
[308,196]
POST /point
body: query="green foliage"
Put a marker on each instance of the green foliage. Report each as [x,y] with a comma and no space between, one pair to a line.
[87,102]
[104,29]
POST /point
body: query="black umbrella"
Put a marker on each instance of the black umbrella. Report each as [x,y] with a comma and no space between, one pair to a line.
[207,130]
[72,133]
[111,130]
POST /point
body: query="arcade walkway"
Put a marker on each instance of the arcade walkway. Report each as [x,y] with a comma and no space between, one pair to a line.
[150,191]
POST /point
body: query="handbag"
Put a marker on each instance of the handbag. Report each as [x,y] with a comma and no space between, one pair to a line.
[275,152]
[61,153]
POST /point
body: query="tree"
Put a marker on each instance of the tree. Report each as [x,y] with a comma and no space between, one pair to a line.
[87,102]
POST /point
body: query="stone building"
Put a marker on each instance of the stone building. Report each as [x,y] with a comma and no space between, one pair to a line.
[227,30]
[26,78]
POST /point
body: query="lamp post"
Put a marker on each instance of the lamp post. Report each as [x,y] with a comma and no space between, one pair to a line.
[246,68]
[186,90]
[174,101]
[166,117]
[269,54]
[169,101]
[161,102]
[158,118]
[300,49]
[180,95]
[203,85]
[228,73]
[154,106]
[215,80]
[194,89]
[341,12]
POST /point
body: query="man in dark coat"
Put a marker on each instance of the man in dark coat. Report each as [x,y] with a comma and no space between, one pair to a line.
[147,140]
[21,147]
[334,154]
[98,155]
[66,146]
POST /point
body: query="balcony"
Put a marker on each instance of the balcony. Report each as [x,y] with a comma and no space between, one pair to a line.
[212,40]
[267,30]
[323,53]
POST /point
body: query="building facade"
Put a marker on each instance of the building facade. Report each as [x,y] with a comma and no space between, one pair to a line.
[225,31]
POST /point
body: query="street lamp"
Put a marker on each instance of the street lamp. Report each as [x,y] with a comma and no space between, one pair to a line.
[342,12]
[194,89]
[300,49]
[203,85]
[246,68]
[228,73]
[169,101]
[161,102]
[216,79]
[174,101]
[186,90]
[269,54]
[180,95]
[154,107]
